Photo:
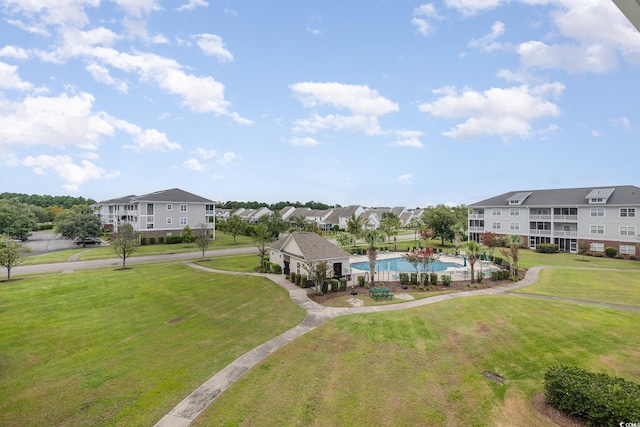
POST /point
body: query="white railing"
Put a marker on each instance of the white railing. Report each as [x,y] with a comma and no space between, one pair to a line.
[539,232]
[540,217]
[476,216]
[476,229]
[565,217]
[562,233]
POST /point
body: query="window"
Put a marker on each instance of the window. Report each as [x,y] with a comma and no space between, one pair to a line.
[169,206]
[183,221]
[628,212]
[597,229]
[596,247]
[496,226]
[497,211]
[183,208]
[595,212]
[627,249]
[514,212]
[514,226]
[149,226]
[210,207]
[169,220]
[627,230]
[597,200]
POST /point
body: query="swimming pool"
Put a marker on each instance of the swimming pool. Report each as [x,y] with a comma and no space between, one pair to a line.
[400,264]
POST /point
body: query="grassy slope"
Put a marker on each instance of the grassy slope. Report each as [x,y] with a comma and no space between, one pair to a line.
[423,366]
[97,348]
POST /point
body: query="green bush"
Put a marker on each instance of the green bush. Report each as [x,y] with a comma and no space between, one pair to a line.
[598,255]
[433,278]
[589,254]
[633,257]
[424,279]
[334,285]
[325,287]
[610,252]
[298,278]
[414,278]
[160,240]
[343,283]
[172,240]
[45,226]
[275,268]
[361,281]
[546,248]
[143,240]
[480,276]
[600,399]
[303,281]
[619,256]
[498,261]
[404,278]
[152,240]
[446,279]
[499,275]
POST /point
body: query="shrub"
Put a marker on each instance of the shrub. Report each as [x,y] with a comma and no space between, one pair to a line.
[152,240]
[421,288]
[303,281]
[424,278]
[334,285]
[361,281]
[404,278]
[619,256]
[633,257]
[600,399]
[160,240]
[414,279]
[498,261]
[343,283]
[446,279]
[325,287]
[546,248]
[171,240]
[288,277]
[610,252]
[433,278]
[143,240]
[298,278]
[275,268]
[480,276]
[499,275]
[589,254]
[598,255]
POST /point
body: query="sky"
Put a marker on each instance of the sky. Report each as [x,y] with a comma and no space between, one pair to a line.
[374,103]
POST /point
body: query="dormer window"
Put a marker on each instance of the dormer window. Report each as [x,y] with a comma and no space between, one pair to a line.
[518,198]
[599,195]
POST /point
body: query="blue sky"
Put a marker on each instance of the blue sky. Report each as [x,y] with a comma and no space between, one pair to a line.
[377,103]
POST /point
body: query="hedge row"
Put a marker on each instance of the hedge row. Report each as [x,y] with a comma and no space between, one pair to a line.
[547,248]
[602,400]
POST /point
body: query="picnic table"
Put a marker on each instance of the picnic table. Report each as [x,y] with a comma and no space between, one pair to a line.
[377,293]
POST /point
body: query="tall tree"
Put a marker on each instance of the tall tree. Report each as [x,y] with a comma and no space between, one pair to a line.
[234,226]
[490,240]
[12,253]
[355,224]
[414,224]
[372,237]
[274,223]
[472,257]
[513,253]
[345,239]
[318,271]
[16,219]
[441,220]
[203,237]
[298,221]
[261,238]
[389,225]
[78,222]
[126,243]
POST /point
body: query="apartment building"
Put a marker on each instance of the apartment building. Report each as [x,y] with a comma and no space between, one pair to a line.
[603,217]
[159,214]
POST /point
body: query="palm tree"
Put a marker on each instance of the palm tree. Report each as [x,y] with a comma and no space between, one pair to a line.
[372,237]
[474,248]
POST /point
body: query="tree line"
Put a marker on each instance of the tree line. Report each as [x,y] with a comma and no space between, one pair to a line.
[45,201]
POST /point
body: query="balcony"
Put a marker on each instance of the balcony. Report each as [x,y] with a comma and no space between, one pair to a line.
[477,229]
[540,217]
[476,216]
[539,232]
[561,233]
[573,218]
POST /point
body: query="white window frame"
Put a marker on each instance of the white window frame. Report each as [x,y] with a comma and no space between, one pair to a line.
[184,207]
[169,207]
[597,212]
[627,230]
[515,226]
[627,212]
[183,220]
[497,211]
[496,225]
[169,221]
[596,247]
[596,229]
[627,249]
[514,212]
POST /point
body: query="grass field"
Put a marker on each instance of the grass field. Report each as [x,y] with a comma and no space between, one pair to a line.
[424,366]
[609,286]
[242,263]
[100,348]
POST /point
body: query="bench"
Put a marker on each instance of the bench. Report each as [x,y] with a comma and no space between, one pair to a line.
[378,293]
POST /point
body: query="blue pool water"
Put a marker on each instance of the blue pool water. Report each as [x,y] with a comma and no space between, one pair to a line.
[400,264]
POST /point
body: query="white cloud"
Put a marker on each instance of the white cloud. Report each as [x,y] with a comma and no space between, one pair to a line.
[363,104]
[194,165]
[9,78]
[138,8]
[213,45]
[55,12]
[38,28]
[101,75]
[497,111]
[228,158]
[72,174]
[192,5]
[153,140]
[623,121]
[471,7]
[408,138]
[421,14]
[307,142]
[14,52]
[488,42]
[405,179]
[205,154]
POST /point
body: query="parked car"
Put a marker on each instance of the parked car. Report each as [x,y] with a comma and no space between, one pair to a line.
[87,241]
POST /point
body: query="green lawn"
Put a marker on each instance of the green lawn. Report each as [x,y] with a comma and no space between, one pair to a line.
[242,263]
[424,366]
[99,347]
[529,258]
[343,301]
[609,286]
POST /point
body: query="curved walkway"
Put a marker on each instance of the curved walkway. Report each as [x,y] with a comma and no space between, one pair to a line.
[186,411]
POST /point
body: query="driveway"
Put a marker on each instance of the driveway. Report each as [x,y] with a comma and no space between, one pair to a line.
[42,242]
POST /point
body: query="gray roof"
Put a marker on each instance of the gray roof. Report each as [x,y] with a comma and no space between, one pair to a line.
[118,201]
[175,195]
[623,195]
[312,246]
[344,212]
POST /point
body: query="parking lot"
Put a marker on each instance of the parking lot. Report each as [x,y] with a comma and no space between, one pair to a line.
[46,241]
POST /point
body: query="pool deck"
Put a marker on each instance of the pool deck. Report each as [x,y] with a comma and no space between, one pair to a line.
[456,273]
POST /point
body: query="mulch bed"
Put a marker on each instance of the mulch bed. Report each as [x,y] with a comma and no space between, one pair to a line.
[397,287]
